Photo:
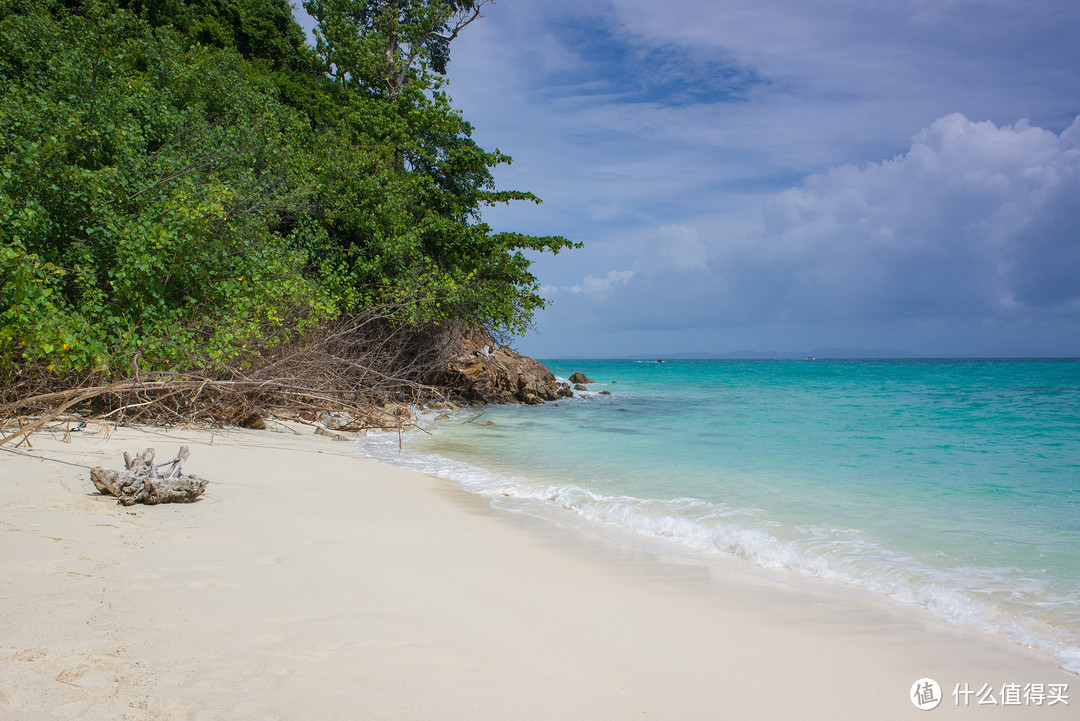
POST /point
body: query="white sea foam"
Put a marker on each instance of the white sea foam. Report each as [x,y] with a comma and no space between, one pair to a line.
[1004,602]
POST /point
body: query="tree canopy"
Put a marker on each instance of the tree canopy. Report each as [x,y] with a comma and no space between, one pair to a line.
[380,45]
[183,180]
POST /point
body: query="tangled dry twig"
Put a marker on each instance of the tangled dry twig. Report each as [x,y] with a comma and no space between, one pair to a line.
[365,369]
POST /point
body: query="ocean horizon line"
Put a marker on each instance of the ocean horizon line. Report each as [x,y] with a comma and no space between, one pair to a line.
[809,355]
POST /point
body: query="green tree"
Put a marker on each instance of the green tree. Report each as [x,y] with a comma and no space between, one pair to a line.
[380,45]
[262,29]
[388,58]
[182,183]
[142,182]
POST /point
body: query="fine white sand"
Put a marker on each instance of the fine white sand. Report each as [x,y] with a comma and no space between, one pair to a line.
[309,583]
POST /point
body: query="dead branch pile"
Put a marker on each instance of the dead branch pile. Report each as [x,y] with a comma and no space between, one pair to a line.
[142,482]
[363,370]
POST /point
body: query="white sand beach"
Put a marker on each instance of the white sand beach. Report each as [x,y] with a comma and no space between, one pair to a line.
[310,583]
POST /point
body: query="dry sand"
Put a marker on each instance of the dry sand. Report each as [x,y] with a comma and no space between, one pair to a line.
[309,583]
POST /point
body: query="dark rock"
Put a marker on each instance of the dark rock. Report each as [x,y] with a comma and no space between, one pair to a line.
[478,374]
[580,378]
[605,393]
[579,387]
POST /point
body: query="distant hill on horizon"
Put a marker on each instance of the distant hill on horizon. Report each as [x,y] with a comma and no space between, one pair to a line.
[852,353]
[832,353]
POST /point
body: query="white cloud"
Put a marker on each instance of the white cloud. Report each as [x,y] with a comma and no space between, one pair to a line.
[674,247]
[974,219]
[593,285]
[968,240]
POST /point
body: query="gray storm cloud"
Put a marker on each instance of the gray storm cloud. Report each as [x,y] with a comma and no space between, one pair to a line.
[975,225]
[973,219]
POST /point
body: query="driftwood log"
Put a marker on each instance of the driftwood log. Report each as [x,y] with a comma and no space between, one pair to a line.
[142,482]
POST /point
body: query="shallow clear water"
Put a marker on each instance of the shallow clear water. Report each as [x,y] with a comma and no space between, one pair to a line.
[948,485]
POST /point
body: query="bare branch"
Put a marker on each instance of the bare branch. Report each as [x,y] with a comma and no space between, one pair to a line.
[351,369]
[464,22]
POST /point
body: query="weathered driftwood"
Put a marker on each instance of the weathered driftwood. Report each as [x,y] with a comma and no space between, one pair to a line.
[141,481]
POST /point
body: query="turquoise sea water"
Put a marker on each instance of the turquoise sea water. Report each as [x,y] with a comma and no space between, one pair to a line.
[948,485]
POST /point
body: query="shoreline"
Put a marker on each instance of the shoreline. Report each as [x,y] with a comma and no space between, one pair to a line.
[312,582]
[684,528]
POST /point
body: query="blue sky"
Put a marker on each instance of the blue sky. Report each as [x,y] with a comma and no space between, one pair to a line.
[789,174]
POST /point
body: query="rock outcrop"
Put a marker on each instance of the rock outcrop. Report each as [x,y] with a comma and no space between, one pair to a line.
[580,378]
[478,372]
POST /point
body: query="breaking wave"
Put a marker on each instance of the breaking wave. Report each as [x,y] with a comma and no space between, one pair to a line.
[1007,602]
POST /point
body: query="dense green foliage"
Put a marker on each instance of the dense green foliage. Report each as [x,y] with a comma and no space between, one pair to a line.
[381,45]
[185,179]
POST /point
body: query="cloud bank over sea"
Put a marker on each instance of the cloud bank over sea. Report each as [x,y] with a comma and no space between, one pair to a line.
[974,226]
[974,221]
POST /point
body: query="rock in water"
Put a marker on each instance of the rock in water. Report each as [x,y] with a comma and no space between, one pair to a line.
[140,481]
[580,378]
